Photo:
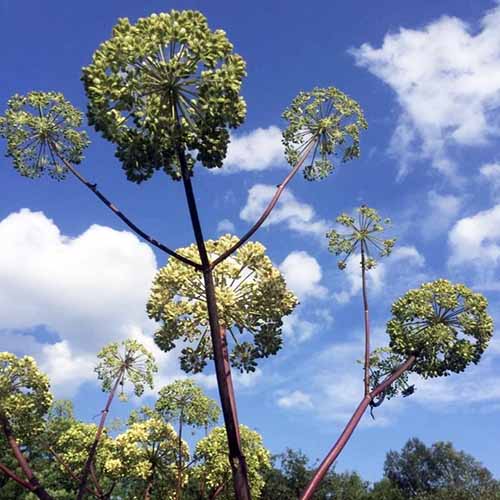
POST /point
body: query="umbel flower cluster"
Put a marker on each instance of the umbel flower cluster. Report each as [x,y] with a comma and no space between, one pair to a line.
[252,299]
[445,325]
[329,118]
[166,83]
[41,131]
[24,394]
[362,236]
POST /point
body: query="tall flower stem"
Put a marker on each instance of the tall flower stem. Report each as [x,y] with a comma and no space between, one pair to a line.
[320,473]
[35,487]
[272,203]
[93,448]
[366,319]
[236,457]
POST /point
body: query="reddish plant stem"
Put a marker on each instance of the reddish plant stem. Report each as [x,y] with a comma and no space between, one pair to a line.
[217,491]
[320,473]
[95,480]
[12,475]
[236,457]
[280,188]
[35,487]
[367,321]
[93,449]
[137,230]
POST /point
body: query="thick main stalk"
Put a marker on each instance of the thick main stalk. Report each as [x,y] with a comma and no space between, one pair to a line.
[236,457]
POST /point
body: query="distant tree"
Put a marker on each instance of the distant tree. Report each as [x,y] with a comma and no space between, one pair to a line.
[431,472]
[291,472]
[385,490]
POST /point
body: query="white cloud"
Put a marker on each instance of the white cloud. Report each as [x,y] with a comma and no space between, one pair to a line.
[378,276]
[490,173]
[298,330]
[295,399]
[66,371]
[303,273]
[447,81]
[442,211]
[299,217]
[245,380]
[476,239]
[88,291]
[477,385]
[257,150]
[225,226]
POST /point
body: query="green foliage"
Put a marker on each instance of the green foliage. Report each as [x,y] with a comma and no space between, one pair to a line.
[330,119]
[38,127]
[214,468]
[24,394]
[446,326]
[423,472]
[165,83]
[252,298]
[184,401]
[291,473]
[361,236]
[130,361]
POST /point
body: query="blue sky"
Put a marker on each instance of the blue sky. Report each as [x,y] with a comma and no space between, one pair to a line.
[427,75]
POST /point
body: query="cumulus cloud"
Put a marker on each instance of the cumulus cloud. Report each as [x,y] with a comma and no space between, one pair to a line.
[490,173]
[87,291]
[257,150]
[303,274]
[447,82]
[299,217]
[443,209]
[476,239]
[225,226]
[298,330]
[295,399]
[378,276]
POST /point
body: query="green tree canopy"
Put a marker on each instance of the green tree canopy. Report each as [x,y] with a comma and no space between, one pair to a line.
[431,472]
